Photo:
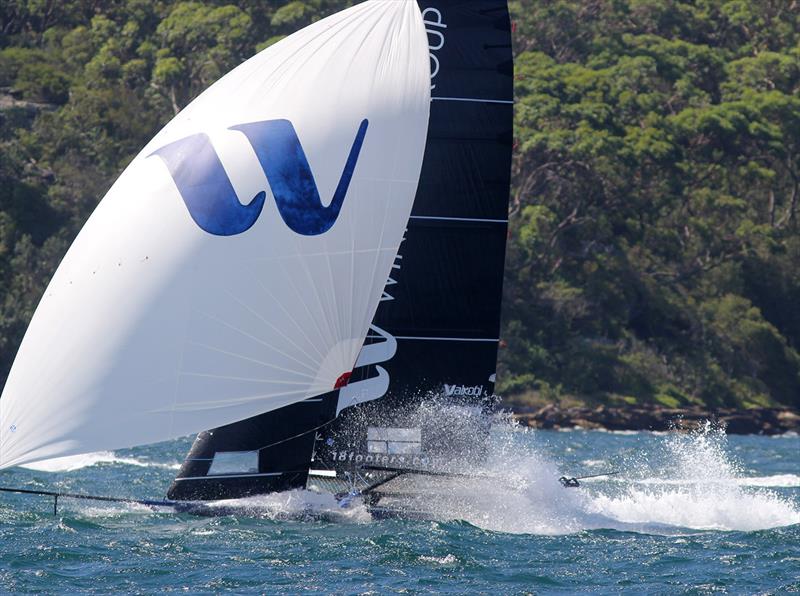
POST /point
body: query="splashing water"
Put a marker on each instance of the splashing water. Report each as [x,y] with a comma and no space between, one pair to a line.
[698,485]
[682,481]
[295,505]
[670,483]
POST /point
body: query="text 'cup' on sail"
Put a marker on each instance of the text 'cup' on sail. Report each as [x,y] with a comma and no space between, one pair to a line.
[221,277]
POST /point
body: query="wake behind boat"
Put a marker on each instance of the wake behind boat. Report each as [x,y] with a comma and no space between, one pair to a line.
[307,260]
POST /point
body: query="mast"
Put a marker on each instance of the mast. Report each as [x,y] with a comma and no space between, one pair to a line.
[425,376]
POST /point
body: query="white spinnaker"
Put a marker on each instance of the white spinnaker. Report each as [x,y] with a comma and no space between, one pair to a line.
[152,328]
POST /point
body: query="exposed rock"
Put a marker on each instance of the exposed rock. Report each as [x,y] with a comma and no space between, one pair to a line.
[587,424]
[768,421]
[788,419]
[742,425]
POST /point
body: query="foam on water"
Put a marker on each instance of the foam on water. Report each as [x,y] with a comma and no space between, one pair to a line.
[448,559]
[294,504]
[298,505]
[71,463]
[774,481]
[700,510]
[688,481]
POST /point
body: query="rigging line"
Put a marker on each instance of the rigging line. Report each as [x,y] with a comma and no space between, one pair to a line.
[371,487]
[423,472]
[596,475]
[56,495]
[298,435]
[572,481]
[215,476]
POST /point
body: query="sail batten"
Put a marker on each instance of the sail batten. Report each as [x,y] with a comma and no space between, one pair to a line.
[220,278]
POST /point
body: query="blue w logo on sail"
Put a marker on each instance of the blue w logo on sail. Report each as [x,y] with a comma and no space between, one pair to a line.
[211,199]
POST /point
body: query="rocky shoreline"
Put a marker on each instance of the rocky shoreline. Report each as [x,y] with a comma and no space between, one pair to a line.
[762,421]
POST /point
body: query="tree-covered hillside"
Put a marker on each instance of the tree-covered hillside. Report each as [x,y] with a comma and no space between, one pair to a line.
[654,252]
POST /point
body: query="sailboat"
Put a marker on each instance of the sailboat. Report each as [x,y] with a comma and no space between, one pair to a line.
[304,267]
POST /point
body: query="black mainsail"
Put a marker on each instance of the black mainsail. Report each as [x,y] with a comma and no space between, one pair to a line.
[425,376]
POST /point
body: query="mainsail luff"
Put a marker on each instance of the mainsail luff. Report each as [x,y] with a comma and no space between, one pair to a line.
[440,312]
[199,293]
[445,283]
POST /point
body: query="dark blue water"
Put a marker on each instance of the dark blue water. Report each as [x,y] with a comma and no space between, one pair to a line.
[695,514]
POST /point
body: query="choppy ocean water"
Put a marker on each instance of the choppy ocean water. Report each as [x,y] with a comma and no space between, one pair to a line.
[688,514]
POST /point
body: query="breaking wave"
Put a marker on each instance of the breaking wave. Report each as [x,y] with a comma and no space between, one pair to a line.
[71,463]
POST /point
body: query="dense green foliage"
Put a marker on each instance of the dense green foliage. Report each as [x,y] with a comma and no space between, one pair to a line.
[654,252]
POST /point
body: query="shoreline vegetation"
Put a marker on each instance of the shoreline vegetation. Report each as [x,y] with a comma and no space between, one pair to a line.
[654,417]
[653,250]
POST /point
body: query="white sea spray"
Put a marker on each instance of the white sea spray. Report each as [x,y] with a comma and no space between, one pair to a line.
[679,482]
